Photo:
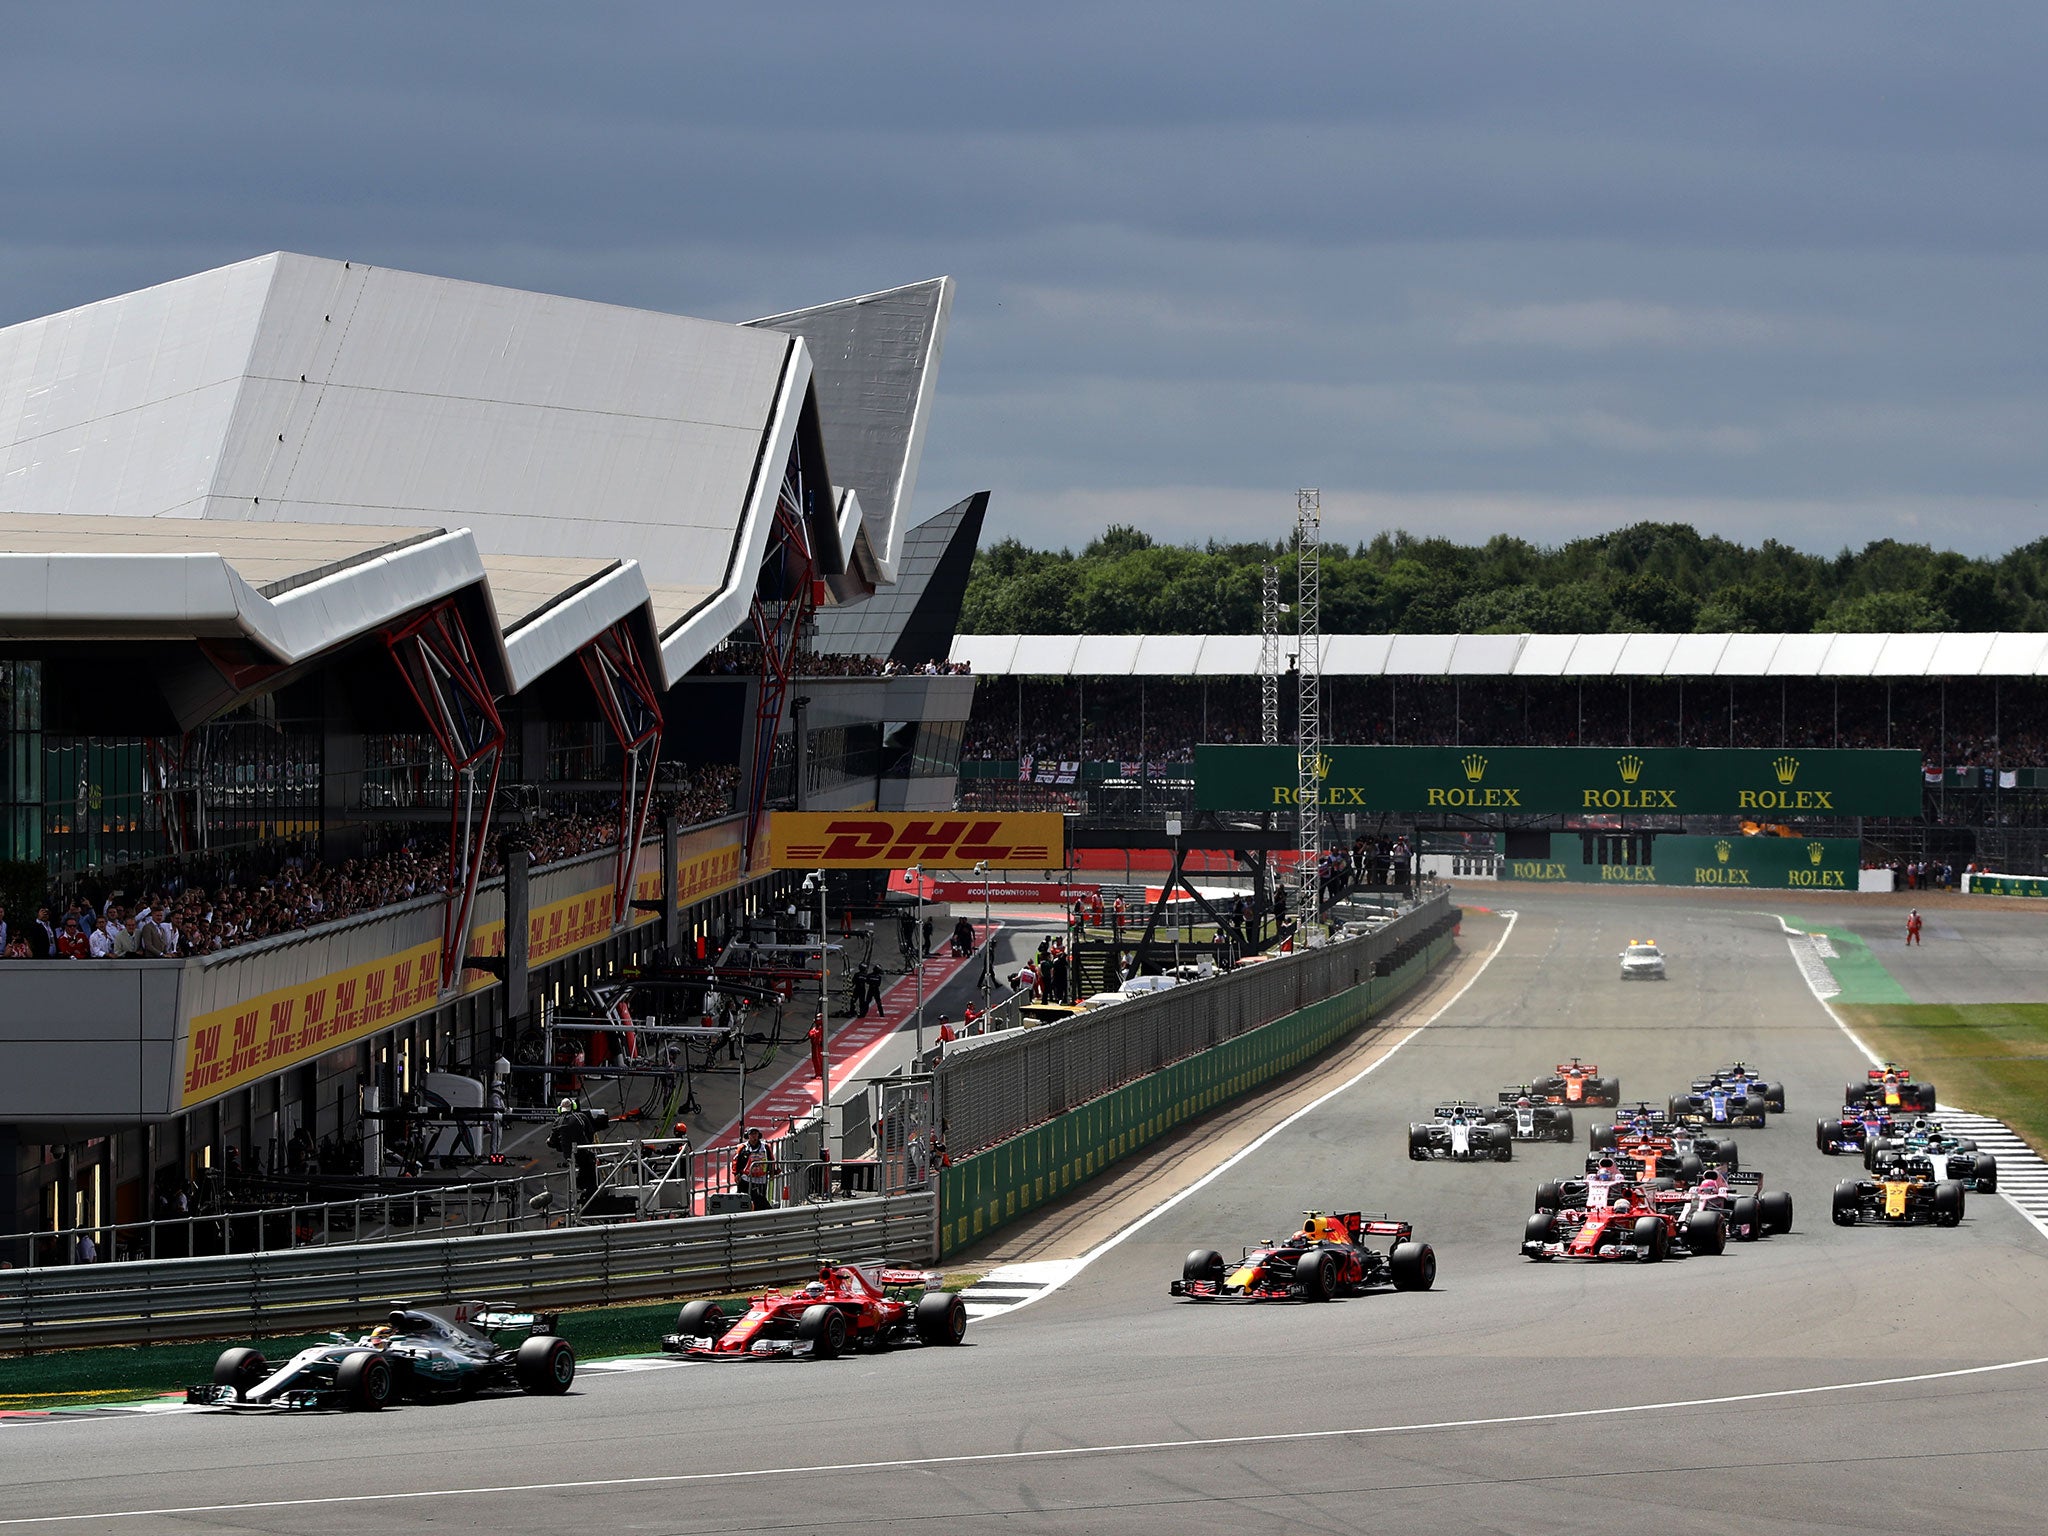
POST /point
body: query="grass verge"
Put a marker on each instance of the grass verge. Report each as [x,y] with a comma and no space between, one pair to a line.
[1990,1057]
[87,1378]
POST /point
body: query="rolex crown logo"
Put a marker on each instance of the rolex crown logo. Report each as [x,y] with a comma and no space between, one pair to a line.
[1815,853]
[1722,850]
[1322,765]
[1786,768]
[1631,768]
[1475,767]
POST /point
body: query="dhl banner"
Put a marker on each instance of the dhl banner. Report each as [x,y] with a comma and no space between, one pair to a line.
[879,840]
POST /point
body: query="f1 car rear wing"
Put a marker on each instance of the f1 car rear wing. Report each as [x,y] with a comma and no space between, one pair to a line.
[1749,1179]
[490,1317]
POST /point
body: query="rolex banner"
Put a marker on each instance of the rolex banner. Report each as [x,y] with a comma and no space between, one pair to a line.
[1755,783]
[1756,863]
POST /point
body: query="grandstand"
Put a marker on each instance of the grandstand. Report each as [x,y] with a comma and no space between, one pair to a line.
[382,654]
[1107,724]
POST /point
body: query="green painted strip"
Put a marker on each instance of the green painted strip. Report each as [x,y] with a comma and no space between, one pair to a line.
[1857,970]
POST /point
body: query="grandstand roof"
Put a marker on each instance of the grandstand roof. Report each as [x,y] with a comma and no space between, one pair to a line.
[1603,655]
[316,446]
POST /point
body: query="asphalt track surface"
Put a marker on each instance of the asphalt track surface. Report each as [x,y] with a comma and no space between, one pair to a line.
[1826,1380]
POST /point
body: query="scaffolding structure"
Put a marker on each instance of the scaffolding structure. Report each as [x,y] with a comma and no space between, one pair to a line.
[1269,654]
[1308,605]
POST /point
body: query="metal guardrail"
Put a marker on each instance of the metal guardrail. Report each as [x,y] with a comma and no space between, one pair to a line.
[1008,1084]
[311,1288]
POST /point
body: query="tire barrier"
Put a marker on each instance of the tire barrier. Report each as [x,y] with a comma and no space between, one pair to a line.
[246,1295]
[981,1193]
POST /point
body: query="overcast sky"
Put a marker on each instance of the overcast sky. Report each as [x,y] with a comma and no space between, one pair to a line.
[1535,268]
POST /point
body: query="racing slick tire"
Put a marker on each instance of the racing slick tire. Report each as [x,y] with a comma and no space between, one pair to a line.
[240,1369]
[1757,1111]
[1692,1168]
[364,1380]
[1660,1183]
[1678,1103]
[1203,1264]
[941,1317]
[1609,1091]
[824,1329]
[1601,1138]
[1720,1150]
[1561,1126]
[1921,1096]
[1316,1274]
[701,1320]
[545,1365]
[1652,1240]
[1774,1096]
[1538,1229]
[1503,1145]
[1986,1171]
[1822,1140]
[1413,1266]
[1549,1196]
[1845,1208]
[1776,1208]
[1418,1144]
[1706,1232]
[1855,1093]
[1948,1203]
[1746,1214]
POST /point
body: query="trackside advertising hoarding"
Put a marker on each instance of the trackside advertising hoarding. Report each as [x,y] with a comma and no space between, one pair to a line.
[1750,782]
[873,840]
[1758,863]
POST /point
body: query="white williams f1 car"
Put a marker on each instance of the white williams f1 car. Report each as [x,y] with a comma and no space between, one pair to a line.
[1461,1133]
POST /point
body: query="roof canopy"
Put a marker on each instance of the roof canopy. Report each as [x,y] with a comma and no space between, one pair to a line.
[1577,656]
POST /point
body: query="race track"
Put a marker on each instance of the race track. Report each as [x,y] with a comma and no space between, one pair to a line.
[1854,1380]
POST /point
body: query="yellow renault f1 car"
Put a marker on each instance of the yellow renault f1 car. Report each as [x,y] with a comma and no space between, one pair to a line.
[1902,1191]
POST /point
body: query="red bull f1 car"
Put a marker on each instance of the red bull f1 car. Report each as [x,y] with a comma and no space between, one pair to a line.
[1578,1082]
[1890,1087]
[417,1354]
[1328,1257]
[847,1306]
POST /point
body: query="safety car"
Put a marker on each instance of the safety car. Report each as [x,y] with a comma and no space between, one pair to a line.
[1328,1257]
[417,1354]
[1577,1082]
[1902,1191]
[1461,1132]
[845,1306]
[1891,1087]
[1529,1116]
[1642,961]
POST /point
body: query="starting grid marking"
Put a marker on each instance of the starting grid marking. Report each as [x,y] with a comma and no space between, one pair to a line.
[1011,1285]
[2022,1173]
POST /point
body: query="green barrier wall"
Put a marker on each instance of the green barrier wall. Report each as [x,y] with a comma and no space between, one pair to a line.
[980,1193]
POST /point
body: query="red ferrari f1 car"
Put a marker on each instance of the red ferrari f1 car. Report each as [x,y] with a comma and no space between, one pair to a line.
[1328,1257]
[848,1306]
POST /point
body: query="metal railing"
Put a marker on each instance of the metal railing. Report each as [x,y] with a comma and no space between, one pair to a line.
[310,1288]
[1009,1084]
[386,1216]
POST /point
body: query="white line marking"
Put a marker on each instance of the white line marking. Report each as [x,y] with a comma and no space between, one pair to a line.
[649,1480]
[1065,1270]
[2022,1195]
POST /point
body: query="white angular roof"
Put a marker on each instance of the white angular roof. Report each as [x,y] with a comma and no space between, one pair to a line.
[1598,655]
[589,461]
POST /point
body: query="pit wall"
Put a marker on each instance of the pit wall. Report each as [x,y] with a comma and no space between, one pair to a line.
[982,1193]
[1759,863]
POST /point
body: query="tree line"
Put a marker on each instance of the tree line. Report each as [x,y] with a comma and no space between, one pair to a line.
[1655,578]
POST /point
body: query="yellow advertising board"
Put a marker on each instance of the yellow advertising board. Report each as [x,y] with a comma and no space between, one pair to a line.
[895,840]
[710,861]
[232,1046]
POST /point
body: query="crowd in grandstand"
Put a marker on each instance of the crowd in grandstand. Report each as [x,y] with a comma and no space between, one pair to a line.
[743,659]
[172,913]
[1963,722]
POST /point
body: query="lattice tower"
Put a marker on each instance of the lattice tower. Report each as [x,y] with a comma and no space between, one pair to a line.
[1269,655]
[1308,613]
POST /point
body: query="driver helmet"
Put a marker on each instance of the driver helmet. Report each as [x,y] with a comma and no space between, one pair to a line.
[1920,1124]
[1619,1202]
[380,1336]
[1711,1181]
[815,1288]
[1522,1102]
[1607,1165]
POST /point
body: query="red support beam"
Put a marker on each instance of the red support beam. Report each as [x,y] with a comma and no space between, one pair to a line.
[632,708]
[433,654]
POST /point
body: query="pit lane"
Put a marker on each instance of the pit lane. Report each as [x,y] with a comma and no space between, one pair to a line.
[1456,1409]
